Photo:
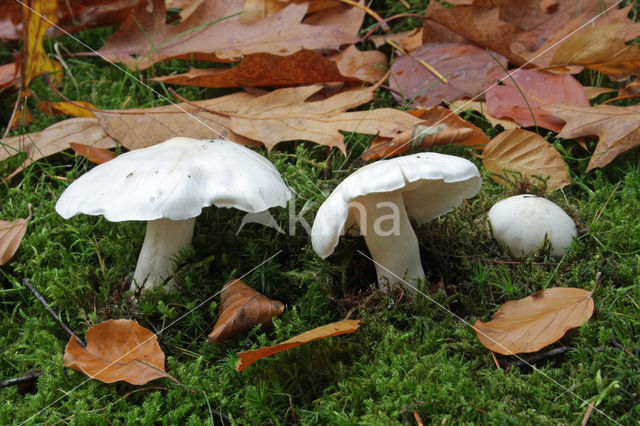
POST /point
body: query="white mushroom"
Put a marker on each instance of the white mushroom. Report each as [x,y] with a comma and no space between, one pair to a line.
[167,185]
[379,198]
[522,223]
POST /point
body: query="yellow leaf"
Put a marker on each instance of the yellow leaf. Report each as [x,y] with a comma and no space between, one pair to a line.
[74,109]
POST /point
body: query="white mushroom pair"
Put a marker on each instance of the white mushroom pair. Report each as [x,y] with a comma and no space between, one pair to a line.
[377,201]
[167,185]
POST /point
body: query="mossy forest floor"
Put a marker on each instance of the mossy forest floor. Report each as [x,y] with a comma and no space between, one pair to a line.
[408,356]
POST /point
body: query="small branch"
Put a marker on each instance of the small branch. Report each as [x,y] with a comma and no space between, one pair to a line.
[375,16]
[28,377]
[595,287]
[617,344]
[402,15]
[541,357]
[53,313]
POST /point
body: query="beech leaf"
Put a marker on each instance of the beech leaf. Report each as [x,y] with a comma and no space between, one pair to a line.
[11,234]
[241,309]
[524,97]
[529,324]
[92,153]
[117,350]
[527,154]
[618,128]
[479,106]
[322,332]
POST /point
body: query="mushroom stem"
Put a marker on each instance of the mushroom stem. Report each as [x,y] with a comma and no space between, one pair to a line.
[393,244]
[163,239]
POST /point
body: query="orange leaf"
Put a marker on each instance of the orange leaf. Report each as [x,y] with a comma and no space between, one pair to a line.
[529,324]
[327,330]
[117,350]
[11,234]
[524,97]
[526,153]
[68,108]
[92,153]
[242,308]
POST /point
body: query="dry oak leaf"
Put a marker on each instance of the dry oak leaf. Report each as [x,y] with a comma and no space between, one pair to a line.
[457,131]
[91,153]
[303,67]
[529,324]
[285,115]
[11,234]
[599,49]
[462,105]
[117,350]
[527,155]
[468,69]
[618,128]
[254,10]
[241,309]
[214,32]
[526,92]
[328,330]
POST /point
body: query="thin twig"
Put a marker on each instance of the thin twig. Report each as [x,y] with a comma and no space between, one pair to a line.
[595,287]
[28,377]
[53,313]
[375,16]
[541,356]
[607,202]
[402,15]
[422,62]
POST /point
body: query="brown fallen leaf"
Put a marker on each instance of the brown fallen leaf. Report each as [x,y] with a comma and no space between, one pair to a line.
[255,10]
[74,109]
[11,234]
[593,92]
[528,155]
[529,324]
[468,69]
[302,67]
[117,350]
[457,131]
[285,115]
[598,48]
[214,32]
[241,309]
[8,75]
[618,128]
[526,92]
[327,330]
[92,153]
[479,106]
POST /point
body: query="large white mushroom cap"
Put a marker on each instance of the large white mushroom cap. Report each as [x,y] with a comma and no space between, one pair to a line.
[431,184]
[175,180]
[522,223]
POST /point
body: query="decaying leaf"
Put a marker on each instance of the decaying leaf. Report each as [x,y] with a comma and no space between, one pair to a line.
[462,105]
[117,350]
[11,234]
[322,332]
[529,324]
[74,109]
[618,128]
[255,10]
[241,309]
[455,131]
[468,70]
[285,115]
[303,67]
[526,92]
[92,153]
[214,32]
[528,155]
[8,75]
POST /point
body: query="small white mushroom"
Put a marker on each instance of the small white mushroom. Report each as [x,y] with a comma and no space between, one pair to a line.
[167,185]
[522,223]
[378,199]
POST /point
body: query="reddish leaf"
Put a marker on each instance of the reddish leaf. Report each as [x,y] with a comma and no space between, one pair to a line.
[468,69]
[11,234]
[241,309]
[526,92]
[92,153]
[327,330]
[117,350]
[529,324]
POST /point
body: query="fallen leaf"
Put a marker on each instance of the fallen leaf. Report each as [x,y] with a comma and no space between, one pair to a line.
[11,234]
[381,39]
[302,67]
[526,92]
[285,115]
[462,105]
[346,18]
[468,69]
[241,309]
[598,48]
[327,330]
[255,10]
[74,109]
[456,131]
[593,92]
[526,154]
[92,153]
[529,324]
[8,75]
[618,128]
[214,32]
[117,350]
